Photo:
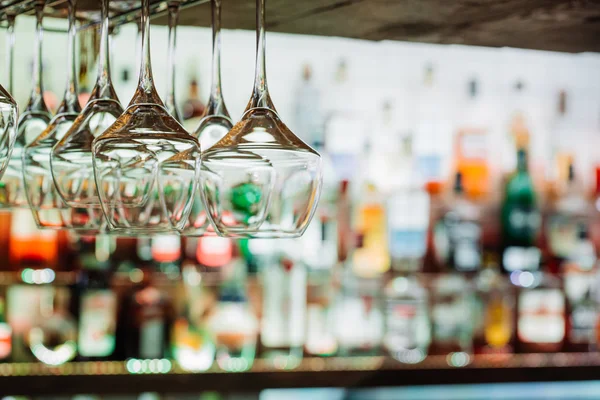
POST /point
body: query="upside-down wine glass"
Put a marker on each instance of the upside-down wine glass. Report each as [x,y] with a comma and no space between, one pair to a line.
[47,207]
[260,180]
[137,195]
[9,110]
[213,126]
[33,121]
[170,103]
[71,158]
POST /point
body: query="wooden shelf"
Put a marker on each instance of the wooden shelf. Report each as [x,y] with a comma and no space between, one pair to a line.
[114,378]
[563,25]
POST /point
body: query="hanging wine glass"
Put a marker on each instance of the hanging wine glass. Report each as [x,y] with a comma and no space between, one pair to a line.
[33,121]
[9,110]
[71,158]
[48,208]
[170,103]
[261,180]
[137,195]
[213,126]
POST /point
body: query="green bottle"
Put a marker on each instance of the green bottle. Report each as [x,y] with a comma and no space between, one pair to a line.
[521,221]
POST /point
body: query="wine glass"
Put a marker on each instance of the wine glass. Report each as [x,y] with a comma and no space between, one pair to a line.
[33,121]
[137,195]
[71,158]
[170,103]
[9,110]
[213,126]
[260,180]
[48,208]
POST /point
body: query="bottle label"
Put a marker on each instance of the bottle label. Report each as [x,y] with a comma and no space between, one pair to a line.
[521,259]
[97,323]
[405,324]
[523,224]
[408,220]
[358,325]
[449,321]
[5,340]
[562,236]
[152,338]
[541,316]
[458,243]
[214,251]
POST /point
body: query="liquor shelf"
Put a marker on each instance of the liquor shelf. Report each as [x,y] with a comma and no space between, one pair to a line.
[571,26]
[133,375]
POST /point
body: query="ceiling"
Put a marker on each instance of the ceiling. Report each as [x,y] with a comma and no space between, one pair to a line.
[558,25]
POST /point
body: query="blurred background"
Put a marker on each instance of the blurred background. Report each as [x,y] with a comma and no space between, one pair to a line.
[455,242]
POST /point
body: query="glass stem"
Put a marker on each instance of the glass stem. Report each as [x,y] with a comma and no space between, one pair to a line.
[260,95]
[216,104]
[70,103]
[10,39]
[104,88]
[170,103]
[146,91]
[36,98]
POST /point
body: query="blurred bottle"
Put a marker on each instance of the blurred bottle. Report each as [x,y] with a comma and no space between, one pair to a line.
[344,128]
[5,334]
[580,280]
[433,134]
[371,256]
[193,108]
[283,325]
[521,221]
[192,345]
[308,118]
[471,146]
[96,302]
[233,323]
[359,320]
[54,340]
[541,320]
[519,136]
[458,234]
[147,319]
[568,217]
[407,214]
[30,246]
[452,319]
[494,313]
[561,143]
[320,336]
[408,330]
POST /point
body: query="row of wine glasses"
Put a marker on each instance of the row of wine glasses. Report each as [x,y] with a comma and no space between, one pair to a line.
[137,171]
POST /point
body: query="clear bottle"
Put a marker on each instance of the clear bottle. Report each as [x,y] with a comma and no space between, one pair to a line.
[580,280]
[166,254]
[308,118]
[408,330]
[569,217]
[283,325]
[458,234]
[359,319]
[233,324]
[452,319]
[320,318]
